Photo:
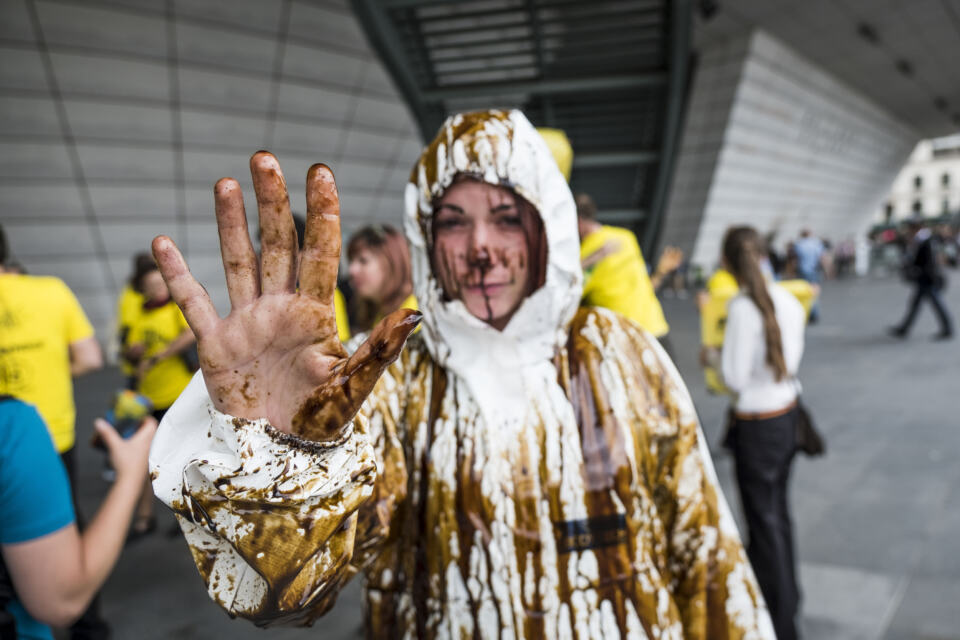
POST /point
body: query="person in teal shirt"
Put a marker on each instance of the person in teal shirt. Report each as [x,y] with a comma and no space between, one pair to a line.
[57,569]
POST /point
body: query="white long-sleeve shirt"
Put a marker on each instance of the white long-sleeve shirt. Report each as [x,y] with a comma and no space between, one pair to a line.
[744,360]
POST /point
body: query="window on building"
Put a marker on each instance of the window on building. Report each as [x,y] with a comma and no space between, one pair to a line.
[917,182]
[917,206]
[945,180]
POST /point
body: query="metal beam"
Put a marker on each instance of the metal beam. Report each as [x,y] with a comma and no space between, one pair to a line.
[410,4]
[621,217]
[681,12]
[613,159]
[384,39]
[537,87]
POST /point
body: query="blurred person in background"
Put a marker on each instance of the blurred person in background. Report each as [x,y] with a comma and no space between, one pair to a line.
[921,266]
[129,309]
[379,268]
[774,258]
[762,347]
[811,254]
[949,240]
[45,341]
[50,571]
[615,275]
[158,339]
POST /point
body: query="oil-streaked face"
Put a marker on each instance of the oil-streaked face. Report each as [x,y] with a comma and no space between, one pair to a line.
[481,253]
[367,271]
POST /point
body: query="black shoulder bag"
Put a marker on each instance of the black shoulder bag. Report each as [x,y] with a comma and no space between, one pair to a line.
[809,440]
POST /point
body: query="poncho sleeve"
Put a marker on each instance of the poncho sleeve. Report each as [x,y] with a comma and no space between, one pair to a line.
[276,524]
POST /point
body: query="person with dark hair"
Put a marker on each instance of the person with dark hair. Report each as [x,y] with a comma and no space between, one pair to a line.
[524,468]
[379,267]
[811,258]
[161,336]
[53,568]
[129,308]
[762,347]
[922,267]
[615,275]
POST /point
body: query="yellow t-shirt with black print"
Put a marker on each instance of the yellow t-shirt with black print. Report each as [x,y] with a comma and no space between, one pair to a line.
[129,308]
[39,318]
[156,329]
[615,277]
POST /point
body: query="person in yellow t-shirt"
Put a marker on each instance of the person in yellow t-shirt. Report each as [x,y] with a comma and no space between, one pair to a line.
[615,274]
[158,337]
[712,303]
[380,274]
[45,340]
[129,309]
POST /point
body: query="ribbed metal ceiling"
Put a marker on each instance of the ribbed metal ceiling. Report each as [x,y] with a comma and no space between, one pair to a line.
[610,73]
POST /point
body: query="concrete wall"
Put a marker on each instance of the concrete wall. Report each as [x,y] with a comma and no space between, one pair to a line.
[117,117]
[774,141]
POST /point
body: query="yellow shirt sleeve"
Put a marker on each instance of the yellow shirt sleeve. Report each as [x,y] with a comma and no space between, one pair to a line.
[615,277]
[410,303]
[722,280]
[340,309]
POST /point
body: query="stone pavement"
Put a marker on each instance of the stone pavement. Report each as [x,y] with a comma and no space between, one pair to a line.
[877,519]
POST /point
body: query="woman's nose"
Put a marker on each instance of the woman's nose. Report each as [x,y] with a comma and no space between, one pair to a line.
[479,250]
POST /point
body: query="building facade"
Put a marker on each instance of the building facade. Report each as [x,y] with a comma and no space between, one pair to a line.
[928,185]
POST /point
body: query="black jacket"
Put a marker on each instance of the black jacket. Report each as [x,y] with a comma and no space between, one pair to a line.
[922,263]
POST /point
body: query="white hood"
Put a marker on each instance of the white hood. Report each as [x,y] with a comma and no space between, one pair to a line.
[499,367]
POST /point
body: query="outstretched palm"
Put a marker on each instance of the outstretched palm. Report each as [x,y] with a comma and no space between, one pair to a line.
[277,355]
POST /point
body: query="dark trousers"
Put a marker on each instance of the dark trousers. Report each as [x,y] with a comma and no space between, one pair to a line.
[91,625]
[763,452]
[931,293]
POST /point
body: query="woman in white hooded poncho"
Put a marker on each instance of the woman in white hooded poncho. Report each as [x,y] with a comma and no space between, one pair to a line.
[522,469]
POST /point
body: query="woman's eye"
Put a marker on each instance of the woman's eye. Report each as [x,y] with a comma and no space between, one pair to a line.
[511,221]
[448,223]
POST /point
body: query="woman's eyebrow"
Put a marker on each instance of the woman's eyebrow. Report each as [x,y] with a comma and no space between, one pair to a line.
[452,207]
[503,207]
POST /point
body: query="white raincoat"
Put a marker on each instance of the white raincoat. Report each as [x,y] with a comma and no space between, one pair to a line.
[545,481]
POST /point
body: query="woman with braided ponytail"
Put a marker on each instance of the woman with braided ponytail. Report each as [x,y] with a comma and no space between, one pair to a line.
[762,347]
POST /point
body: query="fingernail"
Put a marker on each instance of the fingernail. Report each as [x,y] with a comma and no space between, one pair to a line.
[414,319]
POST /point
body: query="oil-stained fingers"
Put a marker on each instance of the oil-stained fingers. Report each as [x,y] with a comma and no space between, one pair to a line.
[380,349]
[321,248]
[189,295]
[239,258]
[278,236]
[337,401]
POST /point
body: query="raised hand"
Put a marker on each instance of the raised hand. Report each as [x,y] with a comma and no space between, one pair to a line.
[277,355]
[670,259]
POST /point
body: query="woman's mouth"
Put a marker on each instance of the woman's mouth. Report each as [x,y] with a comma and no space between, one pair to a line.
[488,289]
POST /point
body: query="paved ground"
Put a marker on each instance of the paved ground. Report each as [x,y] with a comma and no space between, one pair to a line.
[878,519]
